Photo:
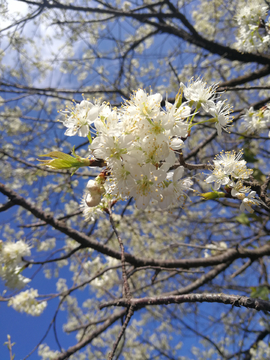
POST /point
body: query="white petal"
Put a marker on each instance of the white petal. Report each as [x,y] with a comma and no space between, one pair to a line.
[83,131]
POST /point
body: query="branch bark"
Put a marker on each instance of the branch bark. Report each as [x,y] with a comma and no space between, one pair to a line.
[234,300]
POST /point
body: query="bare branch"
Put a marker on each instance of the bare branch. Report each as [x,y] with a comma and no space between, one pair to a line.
[234,300]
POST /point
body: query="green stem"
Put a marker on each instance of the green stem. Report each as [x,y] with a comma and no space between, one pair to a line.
[195,112]
[213,120]
[89,137]
[149,120]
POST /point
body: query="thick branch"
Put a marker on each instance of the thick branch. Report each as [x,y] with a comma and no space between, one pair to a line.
[234,300]
[86,241]
[257,74]
[211,46]
[193,37]
[6,206]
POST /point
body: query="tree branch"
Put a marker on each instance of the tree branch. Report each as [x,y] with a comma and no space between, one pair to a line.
[234,300]
[86,241]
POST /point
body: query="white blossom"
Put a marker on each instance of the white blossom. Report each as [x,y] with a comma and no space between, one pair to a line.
[142,104]
[221,114]
[198,92]
[227,167]
[139,145]
[26,302]
[230,170]
[108,122]
[12,253]
[47,354]
[248,201]
[253,34]
[111,148]
[175,118]
[79,118]
[255,122]
[261,351]
[147,184]
[219,177]
[11,263]
[239,188]
[175,192]
[230,160]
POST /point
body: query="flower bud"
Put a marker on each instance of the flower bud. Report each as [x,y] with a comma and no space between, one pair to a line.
[92,200]
[240,196]
[213,195]
[93,187]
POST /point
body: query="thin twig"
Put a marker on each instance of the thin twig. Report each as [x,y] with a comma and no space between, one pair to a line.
[241,269]
[126,290]
[123,329]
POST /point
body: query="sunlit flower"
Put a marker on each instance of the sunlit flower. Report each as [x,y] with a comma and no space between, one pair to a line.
[175,119]
[253,32]
[147,184]
[79,118]
[255,122]
[175,192]
[239,188]
[248,201]
[228,166]
[198,92]
[142,104]
[112,148]
[12,252]
[221,114]
[229,160]
[219,177]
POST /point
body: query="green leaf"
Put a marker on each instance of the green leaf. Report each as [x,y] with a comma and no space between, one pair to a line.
[243,219]
[64,161]
[258,175]
[256,217]
[58,155]
[249,155]
[261,292]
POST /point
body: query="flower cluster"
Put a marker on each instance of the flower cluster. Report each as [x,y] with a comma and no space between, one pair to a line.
[46,353]
[11,263]
[254,33]
[26,302]
[140,146]
[230,171]
[255,122]
[140,142]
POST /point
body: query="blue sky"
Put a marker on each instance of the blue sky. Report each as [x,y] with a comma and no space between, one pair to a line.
[27,331]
